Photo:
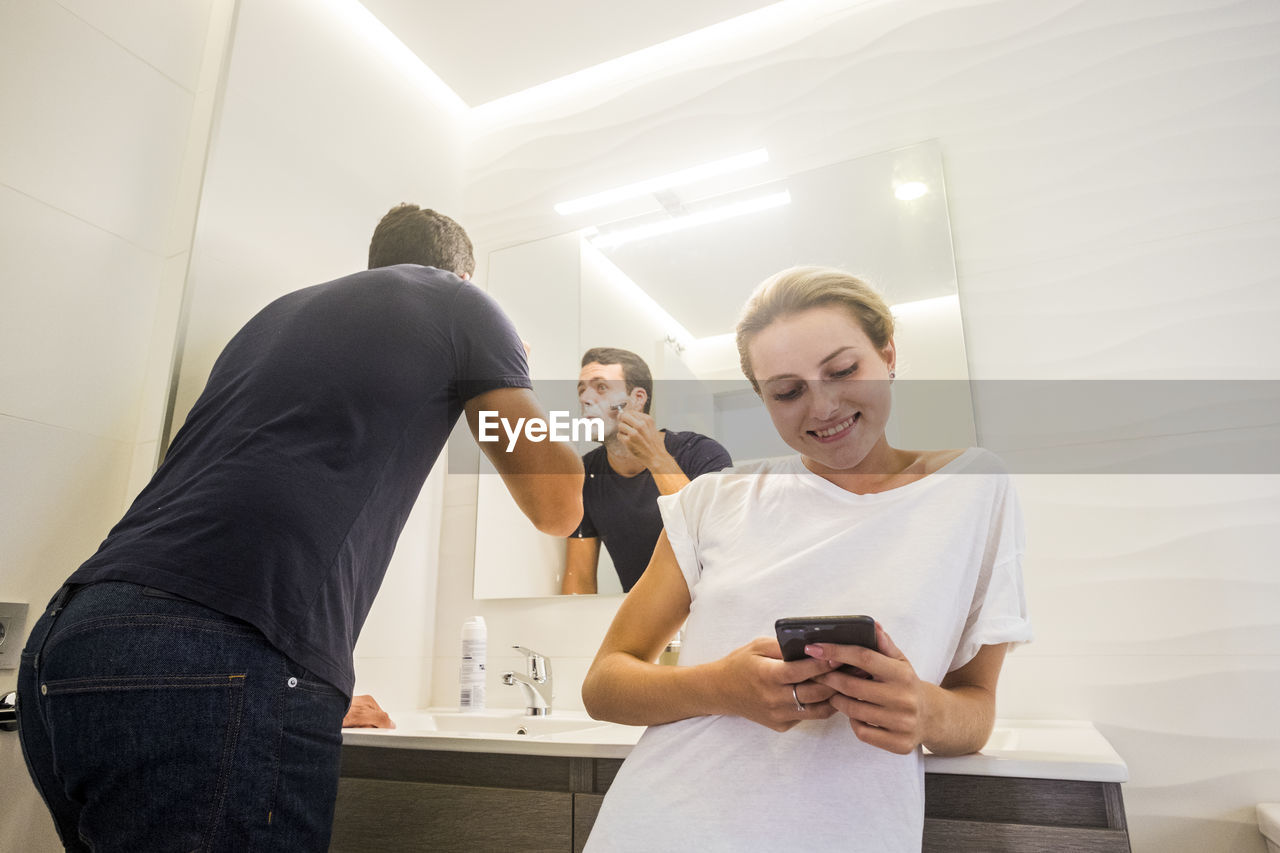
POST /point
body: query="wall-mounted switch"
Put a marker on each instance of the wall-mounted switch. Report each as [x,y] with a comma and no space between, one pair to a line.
[13,625]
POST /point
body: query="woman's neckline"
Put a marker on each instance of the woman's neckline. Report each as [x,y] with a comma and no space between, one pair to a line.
[820,481]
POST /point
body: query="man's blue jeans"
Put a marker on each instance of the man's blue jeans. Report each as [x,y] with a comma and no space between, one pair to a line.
[150,722]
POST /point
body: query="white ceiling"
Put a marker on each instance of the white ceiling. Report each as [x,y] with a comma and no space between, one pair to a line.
[487,49]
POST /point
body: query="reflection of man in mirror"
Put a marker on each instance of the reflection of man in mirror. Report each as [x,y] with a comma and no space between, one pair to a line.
[624,477]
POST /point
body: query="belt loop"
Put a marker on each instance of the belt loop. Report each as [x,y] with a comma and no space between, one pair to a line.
[44,624]
[61,596]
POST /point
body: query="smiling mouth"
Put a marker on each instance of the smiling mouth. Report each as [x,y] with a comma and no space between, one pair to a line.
[836,431]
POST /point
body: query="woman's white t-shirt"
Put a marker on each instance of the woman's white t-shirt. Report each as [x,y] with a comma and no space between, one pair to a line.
[936,561]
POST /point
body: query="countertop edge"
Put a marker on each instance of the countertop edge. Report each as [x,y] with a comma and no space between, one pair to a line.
[1089,766]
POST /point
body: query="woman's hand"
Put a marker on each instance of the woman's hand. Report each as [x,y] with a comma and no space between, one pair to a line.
[755,683]
[889,710]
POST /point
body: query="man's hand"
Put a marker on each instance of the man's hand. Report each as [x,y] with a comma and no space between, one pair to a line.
[641,437]
[365,713]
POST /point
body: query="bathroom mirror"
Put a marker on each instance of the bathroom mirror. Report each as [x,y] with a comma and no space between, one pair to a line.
[674,298]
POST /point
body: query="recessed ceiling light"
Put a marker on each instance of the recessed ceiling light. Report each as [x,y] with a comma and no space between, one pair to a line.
[911,190]
[748,35]
[617,237]
[664,182]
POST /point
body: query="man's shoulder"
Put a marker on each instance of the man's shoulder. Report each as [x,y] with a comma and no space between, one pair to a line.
[701,451]
[676,439]
[400,288]
[414,275]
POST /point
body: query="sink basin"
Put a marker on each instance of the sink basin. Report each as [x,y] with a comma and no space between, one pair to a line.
[497,723]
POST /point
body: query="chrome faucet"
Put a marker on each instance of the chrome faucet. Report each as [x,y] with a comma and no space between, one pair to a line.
[537,686]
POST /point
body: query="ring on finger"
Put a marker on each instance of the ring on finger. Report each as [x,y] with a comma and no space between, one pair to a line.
[800,706]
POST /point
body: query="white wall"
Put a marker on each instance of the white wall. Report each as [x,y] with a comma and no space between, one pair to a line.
[106,108]
[1115,202]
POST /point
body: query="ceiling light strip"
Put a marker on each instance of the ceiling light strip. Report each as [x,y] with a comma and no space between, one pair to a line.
[681,178]
[617,237]
[356,18]
[747,35]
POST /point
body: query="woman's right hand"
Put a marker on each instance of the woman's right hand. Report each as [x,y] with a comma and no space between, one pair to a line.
[755,683]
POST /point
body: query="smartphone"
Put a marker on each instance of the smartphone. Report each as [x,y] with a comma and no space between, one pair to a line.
[796,632]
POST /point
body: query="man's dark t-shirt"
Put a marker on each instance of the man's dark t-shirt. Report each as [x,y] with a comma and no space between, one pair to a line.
[623,511]
[281,499]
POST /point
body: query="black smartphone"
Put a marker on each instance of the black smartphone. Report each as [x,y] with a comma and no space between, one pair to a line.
[796,632]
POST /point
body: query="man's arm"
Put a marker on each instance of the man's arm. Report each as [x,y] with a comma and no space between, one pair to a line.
[640,435]
[701,456]
[544,477]
[582,559]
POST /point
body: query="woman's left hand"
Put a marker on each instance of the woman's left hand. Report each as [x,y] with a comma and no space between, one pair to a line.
[887,710]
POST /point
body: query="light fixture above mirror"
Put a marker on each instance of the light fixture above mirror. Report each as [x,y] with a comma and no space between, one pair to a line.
[662,183]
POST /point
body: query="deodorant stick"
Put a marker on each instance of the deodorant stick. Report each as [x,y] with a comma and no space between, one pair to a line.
[471,676]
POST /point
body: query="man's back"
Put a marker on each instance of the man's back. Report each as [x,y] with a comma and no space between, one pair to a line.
[282,496]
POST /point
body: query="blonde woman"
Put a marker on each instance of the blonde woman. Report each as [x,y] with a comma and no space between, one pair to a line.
[746,751]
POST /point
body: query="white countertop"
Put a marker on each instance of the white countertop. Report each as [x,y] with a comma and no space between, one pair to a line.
[1037,749]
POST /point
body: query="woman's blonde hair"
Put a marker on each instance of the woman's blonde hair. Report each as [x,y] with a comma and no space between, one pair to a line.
[801,288]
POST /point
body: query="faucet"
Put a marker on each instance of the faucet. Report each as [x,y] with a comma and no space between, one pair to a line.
[537,687]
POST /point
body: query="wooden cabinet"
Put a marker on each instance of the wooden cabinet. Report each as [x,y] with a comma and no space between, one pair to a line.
[995,814]
[431,800]
[392,800]
[391,817]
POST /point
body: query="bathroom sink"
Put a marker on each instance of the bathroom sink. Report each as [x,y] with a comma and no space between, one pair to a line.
[496,723]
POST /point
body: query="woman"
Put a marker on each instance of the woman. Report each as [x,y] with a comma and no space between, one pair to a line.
[746,751]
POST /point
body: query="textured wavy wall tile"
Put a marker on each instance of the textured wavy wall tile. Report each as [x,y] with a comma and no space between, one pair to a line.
[1226,451]
[1231,550]
[1124,618]
[1195,306]
[1179,759]
[1170,695]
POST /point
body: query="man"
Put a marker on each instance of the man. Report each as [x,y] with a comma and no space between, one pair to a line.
[195,671]
[624,477]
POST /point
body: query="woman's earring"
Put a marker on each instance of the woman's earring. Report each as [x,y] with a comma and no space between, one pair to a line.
[892,375]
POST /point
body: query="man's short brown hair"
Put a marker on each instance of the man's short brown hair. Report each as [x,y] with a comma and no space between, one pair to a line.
[409,234]
[634,370]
